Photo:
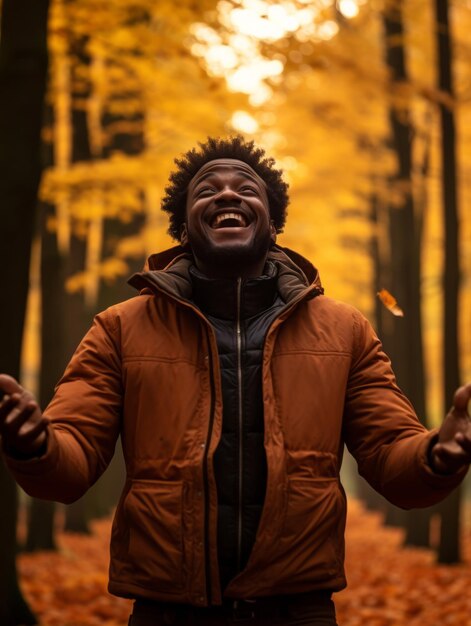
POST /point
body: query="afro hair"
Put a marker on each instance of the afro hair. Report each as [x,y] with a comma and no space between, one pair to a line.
[174,200]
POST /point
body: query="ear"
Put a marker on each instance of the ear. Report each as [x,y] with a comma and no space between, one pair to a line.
[272,231]
[183,235]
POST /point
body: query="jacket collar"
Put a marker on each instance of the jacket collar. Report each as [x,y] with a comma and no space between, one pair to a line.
[169,272]
[221,297]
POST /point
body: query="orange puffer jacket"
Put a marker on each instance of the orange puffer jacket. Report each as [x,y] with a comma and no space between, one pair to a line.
[148,370]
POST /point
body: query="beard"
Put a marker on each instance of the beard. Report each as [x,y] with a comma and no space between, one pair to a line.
[233,258]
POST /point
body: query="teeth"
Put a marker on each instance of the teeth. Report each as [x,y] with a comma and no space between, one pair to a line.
[228,216]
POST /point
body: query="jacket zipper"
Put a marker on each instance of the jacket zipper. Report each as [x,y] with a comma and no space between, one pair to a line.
[240,432]
[239,427]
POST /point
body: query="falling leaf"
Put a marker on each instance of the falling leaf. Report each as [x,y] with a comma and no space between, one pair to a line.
[390,302]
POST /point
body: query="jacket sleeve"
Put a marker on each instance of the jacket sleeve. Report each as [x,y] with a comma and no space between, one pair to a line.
[383,432]
[85,415]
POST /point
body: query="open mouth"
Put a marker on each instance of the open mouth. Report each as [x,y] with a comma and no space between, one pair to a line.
[229,220]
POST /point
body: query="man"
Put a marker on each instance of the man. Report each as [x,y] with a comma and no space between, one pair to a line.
[234,383]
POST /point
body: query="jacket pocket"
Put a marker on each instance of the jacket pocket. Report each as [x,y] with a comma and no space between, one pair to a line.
[153,513]
[311,540]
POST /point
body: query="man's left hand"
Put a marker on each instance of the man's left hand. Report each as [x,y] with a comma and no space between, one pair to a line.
[453,449]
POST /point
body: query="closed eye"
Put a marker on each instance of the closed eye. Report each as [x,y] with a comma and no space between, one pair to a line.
[248,189]
[205,191]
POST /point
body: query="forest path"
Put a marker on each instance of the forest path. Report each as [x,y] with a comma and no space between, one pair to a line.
[388,585]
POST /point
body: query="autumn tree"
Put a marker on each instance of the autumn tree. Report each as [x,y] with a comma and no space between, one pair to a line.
[449,546]
[23,68]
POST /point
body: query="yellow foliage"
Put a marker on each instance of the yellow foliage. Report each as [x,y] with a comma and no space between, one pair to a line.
[128,65]
[109,270]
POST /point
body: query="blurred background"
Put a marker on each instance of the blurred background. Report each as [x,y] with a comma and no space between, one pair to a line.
[365,104]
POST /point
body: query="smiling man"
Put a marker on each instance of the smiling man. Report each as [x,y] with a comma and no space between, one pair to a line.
[234,384]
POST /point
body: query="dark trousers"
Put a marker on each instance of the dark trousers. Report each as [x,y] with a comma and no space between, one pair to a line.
[304,609]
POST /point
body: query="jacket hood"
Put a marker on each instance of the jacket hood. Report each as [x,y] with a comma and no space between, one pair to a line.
[169,271]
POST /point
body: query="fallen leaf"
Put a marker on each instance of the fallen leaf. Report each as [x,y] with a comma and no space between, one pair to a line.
[389,585]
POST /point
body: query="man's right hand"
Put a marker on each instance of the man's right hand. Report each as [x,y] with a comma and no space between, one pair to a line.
[23,428]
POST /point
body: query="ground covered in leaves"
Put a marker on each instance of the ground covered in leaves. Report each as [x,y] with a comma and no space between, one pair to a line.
[388,585]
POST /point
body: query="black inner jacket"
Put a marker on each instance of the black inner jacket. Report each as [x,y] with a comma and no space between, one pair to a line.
[241,473]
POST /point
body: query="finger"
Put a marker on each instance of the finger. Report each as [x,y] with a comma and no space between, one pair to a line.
[448,450]
[29,432]
[18,415]
[29,440]
[464,440]
[452,455]
[15,396]
[462,398]
[7,405]
[23,410]
[9,401]
[9,385]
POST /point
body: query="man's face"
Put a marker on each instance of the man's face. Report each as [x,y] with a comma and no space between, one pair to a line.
[228,222]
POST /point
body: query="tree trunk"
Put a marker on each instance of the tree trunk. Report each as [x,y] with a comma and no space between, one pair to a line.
[41,516]
[23,70]
[79,319]
[449,548]
[41,513]
[405,234]
[76,514]
[13,607]
[378,252]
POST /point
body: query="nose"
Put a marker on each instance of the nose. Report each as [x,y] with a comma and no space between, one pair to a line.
[227,195]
